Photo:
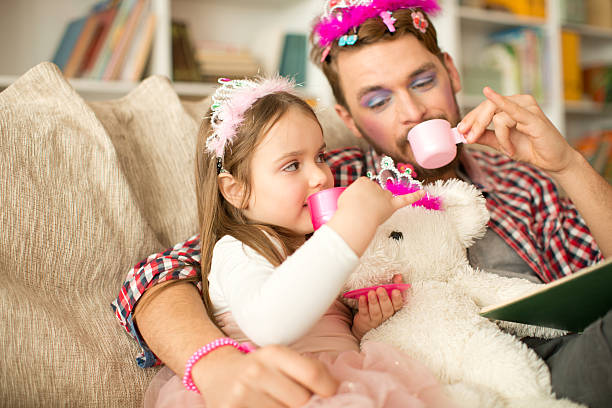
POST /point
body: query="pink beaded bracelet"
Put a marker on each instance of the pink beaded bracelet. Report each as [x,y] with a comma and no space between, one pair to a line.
[224,341]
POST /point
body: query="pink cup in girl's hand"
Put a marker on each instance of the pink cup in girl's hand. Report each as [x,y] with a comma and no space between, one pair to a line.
[434,143]
[323,205]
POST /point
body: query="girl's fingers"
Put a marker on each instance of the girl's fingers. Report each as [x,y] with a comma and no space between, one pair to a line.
[404,200]
[386,306]
[363,306]
[396,300]
[374,307]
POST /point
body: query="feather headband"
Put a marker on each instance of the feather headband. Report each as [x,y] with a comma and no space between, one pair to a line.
[341,16]
[231,100]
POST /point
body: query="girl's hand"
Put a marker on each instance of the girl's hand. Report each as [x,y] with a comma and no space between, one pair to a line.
[521,131]
[362,207]
[376,308]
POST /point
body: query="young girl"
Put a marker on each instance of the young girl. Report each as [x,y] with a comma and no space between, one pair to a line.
[270,281]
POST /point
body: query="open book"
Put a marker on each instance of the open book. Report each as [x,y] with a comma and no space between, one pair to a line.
[570,303]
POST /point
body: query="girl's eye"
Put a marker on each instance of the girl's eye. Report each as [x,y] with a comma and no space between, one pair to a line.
[423,83]
[321,157]
[293,166]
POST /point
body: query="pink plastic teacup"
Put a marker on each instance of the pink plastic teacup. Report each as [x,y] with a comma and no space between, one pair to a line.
[434,143]
[323,205]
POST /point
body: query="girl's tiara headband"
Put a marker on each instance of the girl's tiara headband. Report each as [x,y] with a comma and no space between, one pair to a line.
[342,16]
[231,100]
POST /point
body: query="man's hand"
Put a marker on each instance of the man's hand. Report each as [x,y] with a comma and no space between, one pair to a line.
[521,131]
[272,376]
[376,308]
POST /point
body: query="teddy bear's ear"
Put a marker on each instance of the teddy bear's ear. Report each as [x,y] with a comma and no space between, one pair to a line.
[465,208]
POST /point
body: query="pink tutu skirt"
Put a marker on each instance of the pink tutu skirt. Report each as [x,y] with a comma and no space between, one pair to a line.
[378,376]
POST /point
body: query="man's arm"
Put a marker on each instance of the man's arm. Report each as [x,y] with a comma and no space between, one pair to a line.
[173,321]
[524,133]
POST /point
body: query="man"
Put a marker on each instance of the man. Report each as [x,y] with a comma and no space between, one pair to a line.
[388,74]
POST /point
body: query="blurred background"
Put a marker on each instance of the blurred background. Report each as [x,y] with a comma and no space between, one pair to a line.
[560,51]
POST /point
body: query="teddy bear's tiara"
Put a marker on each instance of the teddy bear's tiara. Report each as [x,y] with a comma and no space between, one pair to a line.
[401,183]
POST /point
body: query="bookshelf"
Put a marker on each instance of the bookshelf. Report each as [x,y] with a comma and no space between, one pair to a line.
[31,29]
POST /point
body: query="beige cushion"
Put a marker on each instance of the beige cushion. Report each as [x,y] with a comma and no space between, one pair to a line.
[85,191]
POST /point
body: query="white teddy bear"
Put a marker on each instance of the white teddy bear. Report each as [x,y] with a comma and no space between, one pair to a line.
[479,364]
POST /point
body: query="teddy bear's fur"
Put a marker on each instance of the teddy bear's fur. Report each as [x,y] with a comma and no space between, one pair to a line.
[479,362]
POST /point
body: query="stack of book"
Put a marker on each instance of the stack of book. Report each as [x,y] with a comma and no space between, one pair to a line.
[112,42]
[217,60]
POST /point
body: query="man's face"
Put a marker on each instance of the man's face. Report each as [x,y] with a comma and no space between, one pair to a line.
[392,86]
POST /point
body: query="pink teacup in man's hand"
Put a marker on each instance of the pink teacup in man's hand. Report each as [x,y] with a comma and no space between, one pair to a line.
[434,143]
[323,205]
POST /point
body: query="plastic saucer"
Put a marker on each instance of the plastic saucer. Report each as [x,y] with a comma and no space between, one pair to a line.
[354,294]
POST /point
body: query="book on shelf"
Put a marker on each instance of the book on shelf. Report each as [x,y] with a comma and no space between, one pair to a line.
[599,13]
[113,41]
[573,11]
[293,57]
[123,41]
[105,21]
[570,303]
[113,36]
[90,30]
[570,60]
[139,50]
[217,60]
[596,147]
[534,8]
[68,41]
[184,65]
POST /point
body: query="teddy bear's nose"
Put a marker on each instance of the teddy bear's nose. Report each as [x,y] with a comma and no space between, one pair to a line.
[396,235]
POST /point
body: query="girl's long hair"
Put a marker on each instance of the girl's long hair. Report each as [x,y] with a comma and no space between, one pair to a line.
[217,217]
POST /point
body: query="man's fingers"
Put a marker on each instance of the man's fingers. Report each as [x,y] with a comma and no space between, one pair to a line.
[310,373]
[503,125]
[507,105]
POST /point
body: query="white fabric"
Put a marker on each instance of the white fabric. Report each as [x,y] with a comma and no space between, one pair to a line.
[279,305]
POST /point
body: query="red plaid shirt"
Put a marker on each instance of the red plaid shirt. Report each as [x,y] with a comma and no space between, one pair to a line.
[526,211]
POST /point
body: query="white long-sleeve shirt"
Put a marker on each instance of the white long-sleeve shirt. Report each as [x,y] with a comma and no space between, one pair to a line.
[278,305]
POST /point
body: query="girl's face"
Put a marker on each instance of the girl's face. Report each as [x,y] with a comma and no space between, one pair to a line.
[287,167]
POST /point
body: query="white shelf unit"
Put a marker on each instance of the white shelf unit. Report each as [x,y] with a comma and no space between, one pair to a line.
[31,29]
[463,32]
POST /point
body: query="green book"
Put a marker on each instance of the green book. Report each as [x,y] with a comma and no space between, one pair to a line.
[570,303]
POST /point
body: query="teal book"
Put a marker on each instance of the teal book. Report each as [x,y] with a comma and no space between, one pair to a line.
[69,39]
[570,303]
[293,58]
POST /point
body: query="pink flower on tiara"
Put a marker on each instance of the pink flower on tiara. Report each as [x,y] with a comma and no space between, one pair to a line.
[341,16]
[419,21]
[231,100]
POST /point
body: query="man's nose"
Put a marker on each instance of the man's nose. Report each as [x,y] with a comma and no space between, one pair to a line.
[410,109]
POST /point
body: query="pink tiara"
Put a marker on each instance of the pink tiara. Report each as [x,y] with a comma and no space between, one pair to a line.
[401,183]
[231,100]
[341,16]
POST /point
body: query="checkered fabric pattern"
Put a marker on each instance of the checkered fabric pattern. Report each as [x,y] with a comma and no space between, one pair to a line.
[525,206]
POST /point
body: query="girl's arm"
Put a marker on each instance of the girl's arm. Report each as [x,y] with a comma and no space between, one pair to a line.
[174,324]
[278,305]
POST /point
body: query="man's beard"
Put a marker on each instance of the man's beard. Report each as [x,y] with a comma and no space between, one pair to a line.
[402,145]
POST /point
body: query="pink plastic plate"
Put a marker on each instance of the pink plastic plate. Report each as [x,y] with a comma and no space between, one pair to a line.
[354,294]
